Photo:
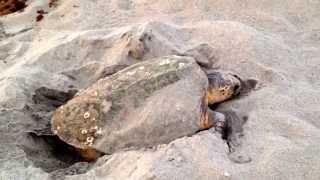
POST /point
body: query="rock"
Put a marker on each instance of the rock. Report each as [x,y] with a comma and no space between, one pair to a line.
[149,103]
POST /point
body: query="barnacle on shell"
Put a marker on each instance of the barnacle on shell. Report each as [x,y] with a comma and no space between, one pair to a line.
[86,115]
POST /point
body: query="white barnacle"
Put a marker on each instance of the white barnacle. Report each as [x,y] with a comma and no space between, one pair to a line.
[95,93]
[55,132]
[94,128]
[61,108]
[89,139]
[106,105]
[160,146]
[163,62]
[86,115]
[79,92]
[226,174]
[58,127]
[93,119]
[98,132]
[130,73]
[88,143]
[84,131]
[178,107]
[141,68]
[181,65]
[148,74]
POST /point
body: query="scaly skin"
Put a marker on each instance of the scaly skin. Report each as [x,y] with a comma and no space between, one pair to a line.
[222,86]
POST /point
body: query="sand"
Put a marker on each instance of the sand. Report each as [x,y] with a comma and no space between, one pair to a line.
[275,42]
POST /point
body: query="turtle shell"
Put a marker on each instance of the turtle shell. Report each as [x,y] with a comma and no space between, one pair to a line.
[147,104]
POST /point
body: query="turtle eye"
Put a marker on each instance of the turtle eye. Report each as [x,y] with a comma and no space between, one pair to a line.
[236,89]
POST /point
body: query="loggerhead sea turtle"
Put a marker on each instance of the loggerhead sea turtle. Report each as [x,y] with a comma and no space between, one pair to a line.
[146,104]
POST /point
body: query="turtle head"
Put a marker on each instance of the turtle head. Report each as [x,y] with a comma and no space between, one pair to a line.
[222,86]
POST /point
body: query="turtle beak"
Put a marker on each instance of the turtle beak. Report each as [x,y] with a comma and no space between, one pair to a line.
[238,87]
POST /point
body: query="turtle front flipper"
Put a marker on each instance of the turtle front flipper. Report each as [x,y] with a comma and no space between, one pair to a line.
[218,120]
[213,119]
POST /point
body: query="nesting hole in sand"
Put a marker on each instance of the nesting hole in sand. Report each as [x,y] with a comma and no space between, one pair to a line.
[11,6]
[41,146]
[49,152]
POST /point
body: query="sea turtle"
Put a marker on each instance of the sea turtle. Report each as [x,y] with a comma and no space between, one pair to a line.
[147,104]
